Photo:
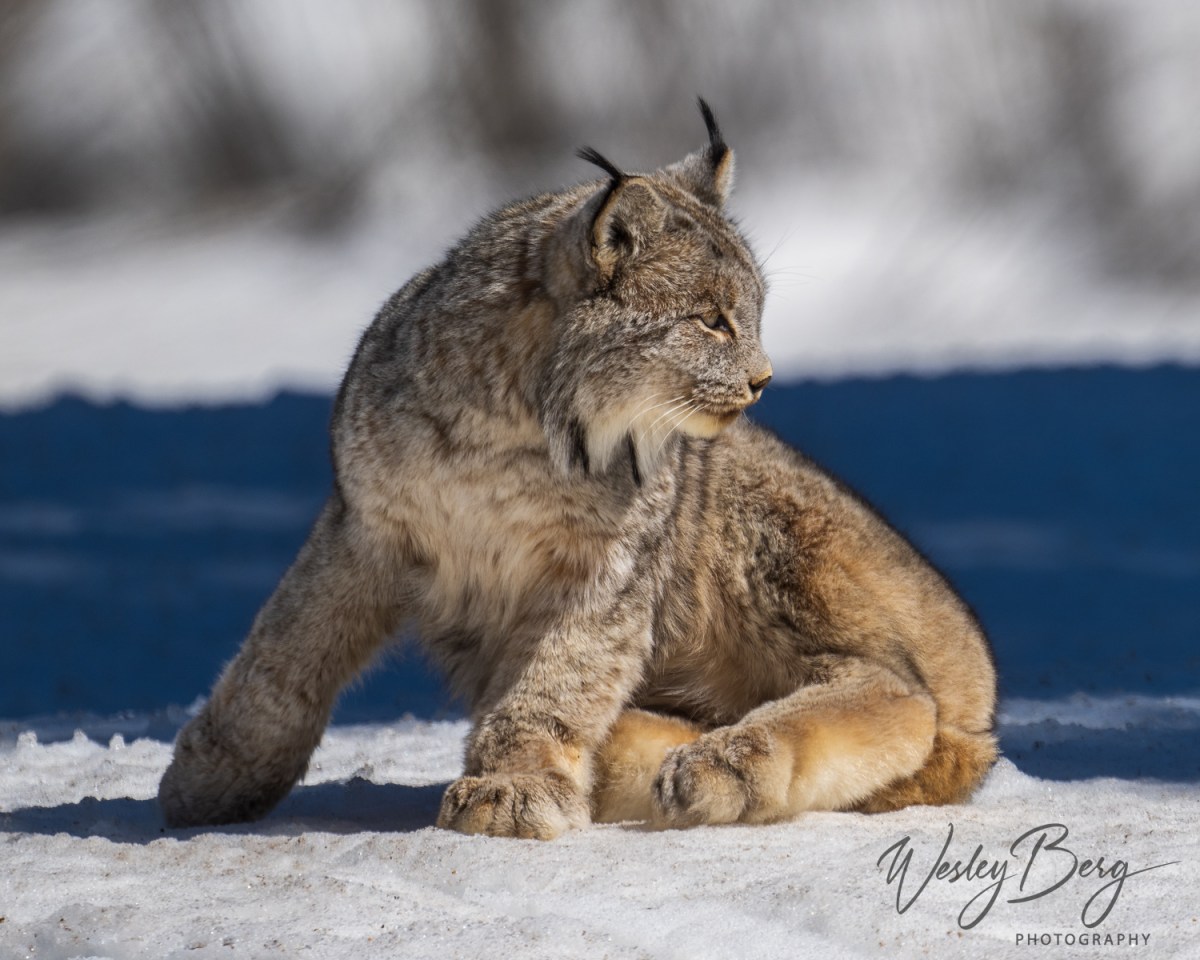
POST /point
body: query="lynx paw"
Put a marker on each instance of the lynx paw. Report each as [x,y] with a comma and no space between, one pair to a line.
[724,776]
[530,806]
[209,782]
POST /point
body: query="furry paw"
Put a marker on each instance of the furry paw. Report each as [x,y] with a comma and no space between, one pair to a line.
[210,783]
[531,806]
[719,778]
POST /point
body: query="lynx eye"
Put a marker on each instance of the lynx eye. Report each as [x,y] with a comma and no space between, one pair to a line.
[715,321]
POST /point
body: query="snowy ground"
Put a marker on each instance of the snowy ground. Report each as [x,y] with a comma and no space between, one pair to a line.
[862,282]
[351,866]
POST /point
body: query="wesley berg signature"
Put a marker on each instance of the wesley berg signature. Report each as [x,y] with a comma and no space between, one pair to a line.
[1049,864]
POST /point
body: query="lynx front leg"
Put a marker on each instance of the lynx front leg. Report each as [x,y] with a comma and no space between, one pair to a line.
[267,712]
[826,747]
[529,760]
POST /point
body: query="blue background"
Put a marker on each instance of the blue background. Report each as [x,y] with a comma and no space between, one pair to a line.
[136,545]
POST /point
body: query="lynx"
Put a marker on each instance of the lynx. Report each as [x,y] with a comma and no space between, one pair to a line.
[654,609]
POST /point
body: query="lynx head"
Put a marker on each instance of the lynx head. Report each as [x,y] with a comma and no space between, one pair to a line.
[659,302]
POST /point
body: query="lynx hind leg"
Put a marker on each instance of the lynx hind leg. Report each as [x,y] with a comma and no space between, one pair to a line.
[629,760]
[827,746]
[956,766]
[252,741]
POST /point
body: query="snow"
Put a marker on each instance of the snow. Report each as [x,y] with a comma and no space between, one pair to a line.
[350,865]
[877,283]
[863,281]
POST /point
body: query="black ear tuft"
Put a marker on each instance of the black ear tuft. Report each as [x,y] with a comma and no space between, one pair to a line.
[591,155]
[717,147]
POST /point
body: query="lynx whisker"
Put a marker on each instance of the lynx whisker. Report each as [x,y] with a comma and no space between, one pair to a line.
[645,410]
[662,416]
[641,431]
[690,408]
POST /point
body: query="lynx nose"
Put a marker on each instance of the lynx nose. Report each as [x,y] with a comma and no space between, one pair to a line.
[759,382]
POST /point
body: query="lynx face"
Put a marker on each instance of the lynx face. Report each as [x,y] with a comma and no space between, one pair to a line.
[661,301]
[711,354]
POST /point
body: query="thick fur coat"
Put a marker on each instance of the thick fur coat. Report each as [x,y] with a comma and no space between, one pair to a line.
[654,609]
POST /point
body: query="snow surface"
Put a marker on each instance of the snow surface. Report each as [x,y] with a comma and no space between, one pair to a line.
[350,865]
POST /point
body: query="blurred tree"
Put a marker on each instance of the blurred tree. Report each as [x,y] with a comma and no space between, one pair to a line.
[178,105]
[238,139]
[1142,237]
[32,180]
[494,83]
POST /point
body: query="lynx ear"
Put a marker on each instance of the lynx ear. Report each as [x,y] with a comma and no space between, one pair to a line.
[708,173]
[619,221]
[628,219]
